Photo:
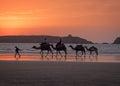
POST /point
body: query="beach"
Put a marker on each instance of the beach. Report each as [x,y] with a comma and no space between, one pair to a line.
[37,72]
[59,42]
[69,58]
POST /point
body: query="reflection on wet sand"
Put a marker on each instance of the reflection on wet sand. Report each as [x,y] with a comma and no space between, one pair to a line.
[100,58]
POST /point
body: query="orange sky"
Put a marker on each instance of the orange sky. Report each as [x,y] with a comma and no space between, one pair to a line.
[95,20]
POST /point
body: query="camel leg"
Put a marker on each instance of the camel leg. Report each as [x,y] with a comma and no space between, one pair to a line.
[42,54]
[81,53]
[47,54]
[76,54]
[84,53]
[65,54]
[96,52]
[96,56]
[51,53]
[60,54]
[56,54]
[90,53]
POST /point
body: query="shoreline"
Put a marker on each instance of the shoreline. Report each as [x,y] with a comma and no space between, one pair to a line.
[100,58]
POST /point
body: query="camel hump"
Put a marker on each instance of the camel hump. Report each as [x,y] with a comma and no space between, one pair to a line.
[93,48]
[44,44]
[60,45]
[79,46]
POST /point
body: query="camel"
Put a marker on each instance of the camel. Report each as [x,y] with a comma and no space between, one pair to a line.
[78,48]
[92,49]
[60,47]
[44,47]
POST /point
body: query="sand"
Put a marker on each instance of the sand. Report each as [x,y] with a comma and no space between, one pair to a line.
[70,58]
[59,73]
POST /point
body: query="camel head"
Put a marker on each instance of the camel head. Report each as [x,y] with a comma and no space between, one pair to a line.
[36,47]
[86,48]
[70,46]
[52,46]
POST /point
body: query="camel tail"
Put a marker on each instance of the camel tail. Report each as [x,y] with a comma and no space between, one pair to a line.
[84,51]
[96,52]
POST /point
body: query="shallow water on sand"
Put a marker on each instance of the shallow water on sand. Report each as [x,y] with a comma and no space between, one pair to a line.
[100,58]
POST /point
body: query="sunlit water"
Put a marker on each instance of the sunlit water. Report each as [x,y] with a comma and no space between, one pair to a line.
[107,52]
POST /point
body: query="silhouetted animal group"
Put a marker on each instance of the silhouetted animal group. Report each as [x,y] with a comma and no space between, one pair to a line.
[61,47]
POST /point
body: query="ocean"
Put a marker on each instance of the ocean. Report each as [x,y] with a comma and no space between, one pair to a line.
[26,48]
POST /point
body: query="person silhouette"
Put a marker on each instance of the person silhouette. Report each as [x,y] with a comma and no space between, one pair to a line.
[60,42]
[17,52]
[44,41]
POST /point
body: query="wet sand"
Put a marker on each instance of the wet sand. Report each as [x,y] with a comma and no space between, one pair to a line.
[29,72]
[70,58]
[47,73]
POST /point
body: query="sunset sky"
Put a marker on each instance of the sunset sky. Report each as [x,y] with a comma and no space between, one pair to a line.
[94,20]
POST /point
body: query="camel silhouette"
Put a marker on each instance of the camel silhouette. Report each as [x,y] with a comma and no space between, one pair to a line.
[58,48]
[78,48]
[92,49]
[44,47]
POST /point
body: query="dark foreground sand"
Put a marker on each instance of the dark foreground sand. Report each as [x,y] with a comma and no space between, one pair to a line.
[53,73]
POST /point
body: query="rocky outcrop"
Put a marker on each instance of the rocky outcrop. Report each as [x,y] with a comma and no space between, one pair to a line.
[39,39]
[117,41]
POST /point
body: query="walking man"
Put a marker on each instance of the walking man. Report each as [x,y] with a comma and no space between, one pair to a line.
[17,52]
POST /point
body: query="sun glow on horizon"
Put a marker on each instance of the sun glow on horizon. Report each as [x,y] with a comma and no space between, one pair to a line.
[17,24]
[12,22]
[91,19]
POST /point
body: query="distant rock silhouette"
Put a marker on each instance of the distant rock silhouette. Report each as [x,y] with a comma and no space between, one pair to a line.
[117,41]
[39,39]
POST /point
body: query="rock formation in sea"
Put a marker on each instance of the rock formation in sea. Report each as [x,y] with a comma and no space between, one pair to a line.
[117,40]
[40,38]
